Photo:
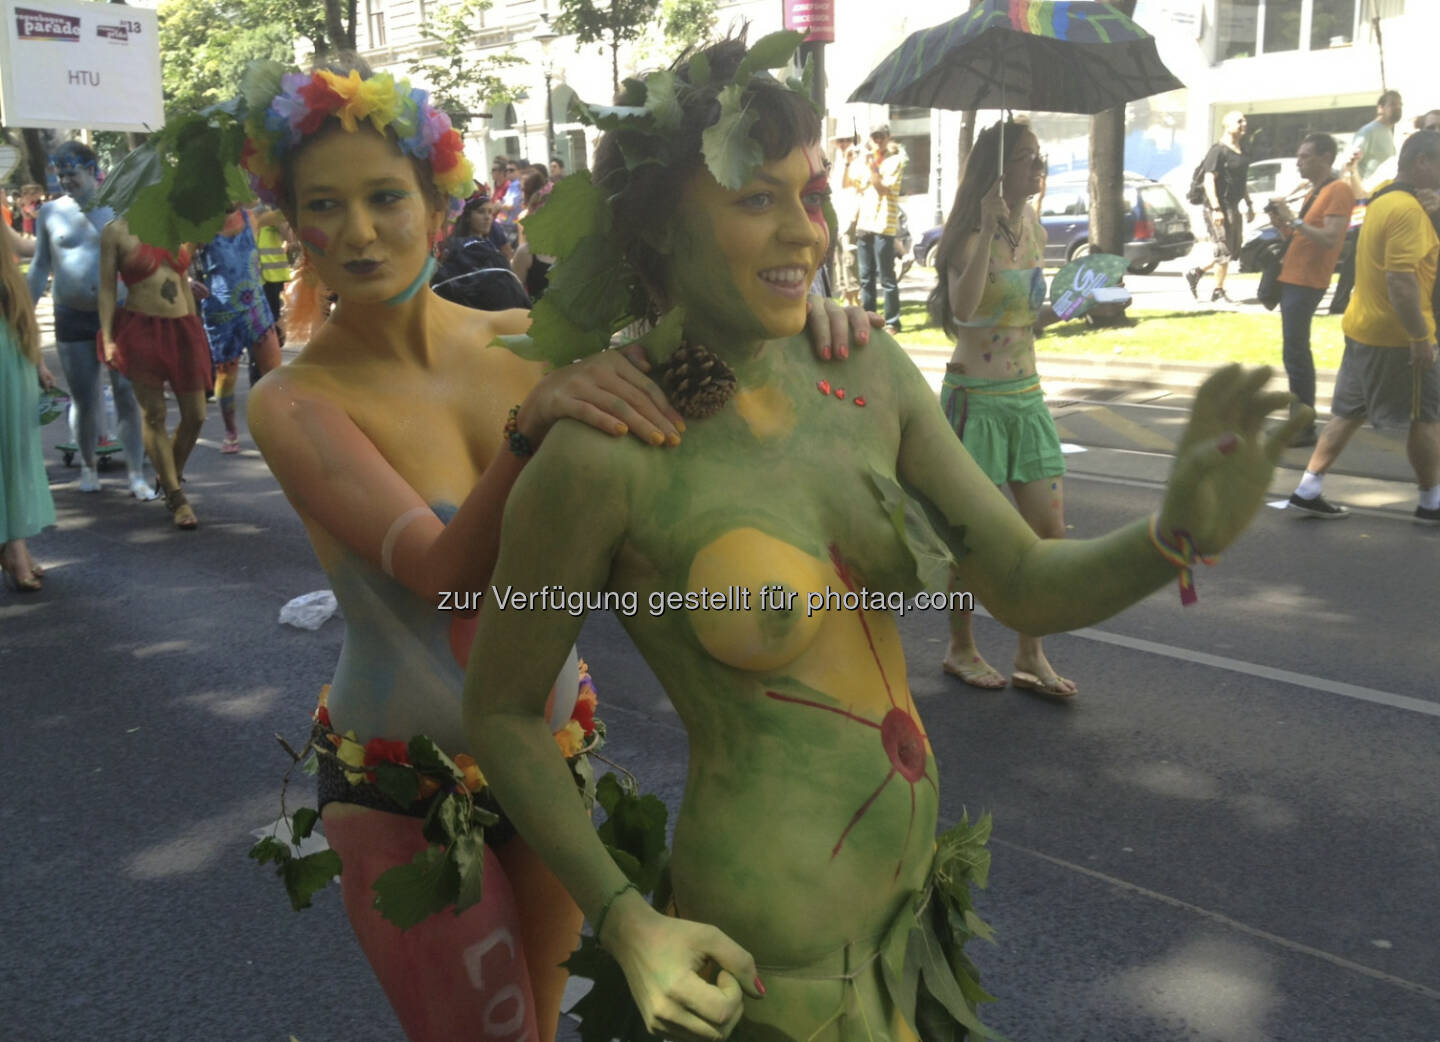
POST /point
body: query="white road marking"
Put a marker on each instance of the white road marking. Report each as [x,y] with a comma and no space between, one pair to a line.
[1225,920]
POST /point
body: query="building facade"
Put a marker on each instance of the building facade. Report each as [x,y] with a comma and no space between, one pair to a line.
[1293,66]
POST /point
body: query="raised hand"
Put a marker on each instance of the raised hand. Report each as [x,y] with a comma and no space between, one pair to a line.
[993,207]
[1225,460]
[667,962]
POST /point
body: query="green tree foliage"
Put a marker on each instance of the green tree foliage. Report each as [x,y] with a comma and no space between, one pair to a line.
[687,23]
[608,23]
[460,82]
[206,44]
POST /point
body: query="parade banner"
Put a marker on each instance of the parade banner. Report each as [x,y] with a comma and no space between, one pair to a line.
[815,18]
[73,65]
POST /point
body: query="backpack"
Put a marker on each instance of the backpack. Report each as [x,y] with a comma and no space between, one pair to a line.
[1196,195]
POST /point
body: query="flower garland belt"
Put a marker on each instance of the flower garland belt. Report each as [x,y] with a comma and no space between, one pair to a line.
[331,786]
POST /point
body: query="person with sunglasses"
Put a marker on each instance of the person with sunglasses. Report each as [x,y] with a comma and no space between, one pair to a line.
[990,297]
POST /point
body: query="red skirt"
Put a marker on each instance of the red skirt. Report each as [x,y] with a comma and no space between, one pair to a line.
[157,351]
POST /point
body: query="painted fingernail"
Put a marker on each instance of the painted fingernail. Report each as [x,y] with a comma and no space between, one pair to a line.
[656,438]
[825,354]
[620,428]
[759,986]
[844,353]
[1228,443]
[680,426]
[673,439]
[864,336]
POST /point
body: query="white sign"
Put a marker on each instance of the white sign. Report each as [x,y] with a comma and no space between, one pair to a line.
[74,65]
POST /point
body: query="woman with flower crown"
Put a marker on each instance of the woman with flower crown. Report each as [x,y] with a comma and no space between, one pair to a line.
[808,897]
[390,437]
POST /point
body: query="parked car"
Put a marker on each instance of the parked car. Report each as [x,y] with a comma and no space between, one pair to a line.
[1157,226]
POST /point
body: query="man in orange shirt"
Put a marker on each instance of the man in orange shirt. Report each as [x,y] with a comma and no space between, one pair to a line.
[1316,237]
[1389,371]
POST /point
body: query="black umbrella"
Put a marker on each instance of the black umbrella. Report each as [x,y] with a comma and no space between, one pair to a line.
[1039,55]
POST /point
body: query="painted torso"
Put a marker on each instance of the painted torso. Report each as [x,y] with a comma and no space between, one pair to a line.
[74,244]
[791,779]
[998,343]
[438,426]
[153,276]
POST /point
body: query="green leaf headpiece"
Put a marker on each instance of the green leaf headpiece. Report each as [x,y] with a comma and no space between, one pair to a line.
[595,285]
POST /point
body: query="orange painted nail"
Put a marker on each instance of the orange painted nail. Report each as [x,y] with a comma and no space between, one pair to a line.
[656,438]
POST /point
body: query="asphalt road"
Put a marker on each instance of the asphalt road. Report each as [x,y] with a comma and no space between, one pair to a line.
[1229,836]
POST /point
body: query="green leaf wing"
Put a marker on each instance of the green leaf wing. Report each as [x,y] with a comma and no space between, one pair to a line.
[575,210]
[661,101]
[136,172]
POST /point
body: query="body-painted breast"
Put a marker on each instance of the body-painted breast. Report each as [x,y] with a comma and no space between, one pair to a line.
[772,630]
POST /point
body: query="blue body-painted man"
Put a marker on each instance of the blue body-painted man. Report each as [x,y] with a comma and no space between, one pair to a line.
[67,246]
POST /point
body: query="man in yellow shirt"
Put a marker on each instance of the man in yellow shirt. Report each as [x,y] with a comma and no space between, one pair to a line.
[1389,371]
[878,221]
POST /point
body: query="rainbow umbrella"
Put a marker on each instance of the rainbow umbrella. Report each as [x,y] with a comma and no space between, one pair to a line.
[1036,55]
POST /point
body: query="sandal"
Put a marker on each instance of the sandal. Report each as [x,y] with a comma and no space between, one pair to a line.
[978,673]
[1053,685]
[231,445]
[180,508]
[30,585]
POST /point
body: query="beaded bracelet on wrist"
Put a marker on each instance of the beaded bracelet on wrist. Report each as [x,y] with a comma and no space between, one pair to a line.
[514,440]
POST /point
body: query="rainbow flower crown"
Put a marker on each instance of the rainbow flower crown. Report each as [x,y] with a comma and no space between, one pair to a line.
[306,101]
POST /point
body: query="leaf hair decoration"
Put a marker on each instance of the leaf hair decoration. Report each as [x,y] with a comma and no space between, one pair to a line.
[595,289]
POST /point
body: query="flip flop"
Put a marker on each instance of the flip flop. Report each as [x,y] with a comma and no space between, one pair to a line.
[230,446]
[1054,686]
[984,676]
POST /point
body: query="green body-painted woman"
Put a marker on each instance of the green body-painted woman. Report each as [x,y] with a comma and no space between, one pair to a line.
[808,819]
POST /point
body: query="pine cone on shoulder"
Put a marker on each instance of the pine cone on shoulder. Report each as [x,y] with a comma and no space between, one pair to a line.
[697,381]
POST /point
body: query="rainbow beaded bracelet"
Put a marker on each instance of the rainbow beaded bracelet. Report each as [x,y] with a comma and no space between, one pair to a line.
[1183,554]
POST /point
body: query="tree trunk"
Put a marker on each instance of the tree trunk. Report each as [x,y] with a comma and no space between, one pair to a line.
[1107,172]
[334,23]
[35,157]
[348,41]
[615,62]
